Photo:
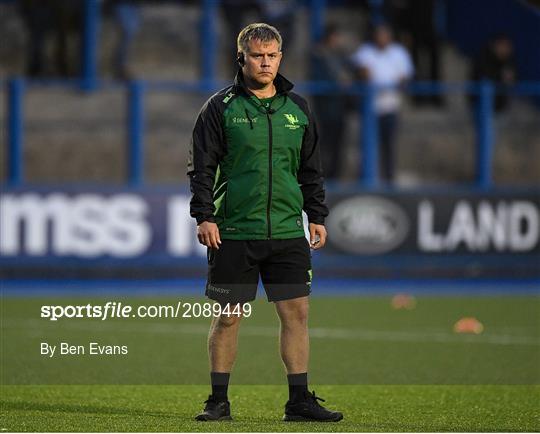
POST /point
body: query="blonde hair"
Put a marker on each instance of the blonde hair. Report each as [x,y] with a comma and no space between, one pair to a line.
[258,31]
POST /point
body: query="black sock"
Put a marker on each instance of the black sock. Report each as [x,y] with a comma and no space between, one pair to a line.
[297,386]
[220,384]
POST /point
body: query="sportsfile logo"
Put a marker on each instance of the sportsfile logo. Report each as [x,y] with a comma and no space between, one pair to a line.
[293,121]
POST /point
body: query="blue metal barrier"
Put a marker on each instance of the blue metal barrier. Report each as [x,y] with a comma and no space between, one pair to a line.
[15,130]
[90,45]
[317,9]
[485,134]
[208,41]
[136,124]
[135,127]
[368,139]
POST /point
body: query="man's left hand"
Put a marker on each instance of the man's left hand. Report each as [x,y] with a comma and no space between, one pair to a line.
[317,236]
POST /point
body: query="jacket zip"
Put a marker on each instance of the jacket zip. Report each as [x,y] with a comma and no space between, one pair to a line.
[269,203]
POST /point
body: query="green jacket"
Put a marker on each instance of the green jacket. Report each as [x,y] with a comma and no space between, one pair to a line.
[254,165]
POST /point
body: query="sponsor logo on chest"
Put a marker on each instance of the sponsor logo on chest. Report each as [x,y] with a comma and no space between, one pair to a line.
[292,121]
[240,120]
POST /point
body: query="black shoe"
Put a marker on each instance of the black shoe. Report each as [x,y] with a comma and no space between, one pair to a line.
[310,410]
[215,410]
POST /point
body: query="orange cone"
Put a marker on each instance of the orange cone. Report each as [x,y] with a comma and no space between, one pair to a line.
[468,325]
[403,301]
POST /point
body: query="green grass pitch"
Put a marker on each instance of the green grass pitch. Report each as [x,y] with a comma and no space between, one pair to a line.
[259,408]
[386,369]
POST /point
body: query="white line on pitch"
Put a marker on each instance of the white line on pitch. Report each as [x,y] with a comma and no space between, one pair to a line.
[264,331]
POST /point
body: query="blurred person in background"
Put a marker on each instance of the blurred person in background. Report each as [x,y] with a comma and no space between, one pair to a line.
[496,63]
[38,17]
[387,65]
[61,19]
[417,25]
[254,166]
[127,17]
[330,64]
[69,18]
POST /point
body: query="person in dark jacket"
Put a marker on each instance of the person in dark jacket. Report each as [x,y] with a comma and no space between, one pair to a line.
[496,63]
[254,166]
[329,64]
[60,19]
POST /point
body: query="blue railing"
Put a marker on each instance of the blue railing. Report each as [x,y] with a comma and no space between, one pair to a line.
[368,139]
[90,36]
[15,131]
[207,36]
[136,126]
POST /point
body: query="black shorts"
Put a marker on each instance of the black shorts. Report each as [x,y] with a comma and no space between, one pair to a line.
[234,268]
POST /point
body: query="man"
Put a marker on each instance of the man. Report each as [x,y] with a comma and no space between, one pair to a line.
[496,63]
[387,65]
[329,64]
[254,166]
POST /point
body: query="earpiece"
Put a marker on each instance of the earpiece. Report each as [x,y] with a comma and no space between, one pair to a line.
[240,59]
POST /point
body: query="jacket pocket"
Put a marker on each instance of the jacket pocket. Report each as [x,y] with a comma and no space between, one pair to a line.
[227,203]
[231,199]
[297,198]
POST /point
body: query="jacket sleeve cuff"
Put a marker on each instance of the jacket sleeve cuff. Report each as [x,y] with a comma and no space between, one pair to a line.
[318,220]
[207,218]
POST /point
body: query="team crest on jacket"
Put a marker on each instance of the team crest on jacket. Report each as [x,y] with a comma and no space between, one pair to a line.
[293,121]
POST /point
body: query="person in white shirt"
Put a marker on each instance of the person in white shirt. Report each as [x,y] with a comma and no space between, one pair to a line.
[387,65]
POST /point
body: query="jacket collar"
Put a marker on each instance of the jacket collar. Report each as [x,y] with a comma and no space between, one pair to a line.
[283,85]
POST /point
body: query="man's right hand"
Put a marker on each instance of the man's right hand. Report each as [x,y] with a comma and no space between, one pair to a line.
[208,234]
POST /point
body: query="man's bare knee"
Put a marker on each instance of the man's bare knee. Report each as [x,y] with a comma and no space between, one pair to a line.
[227,321]
[296,320]
[293,313]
